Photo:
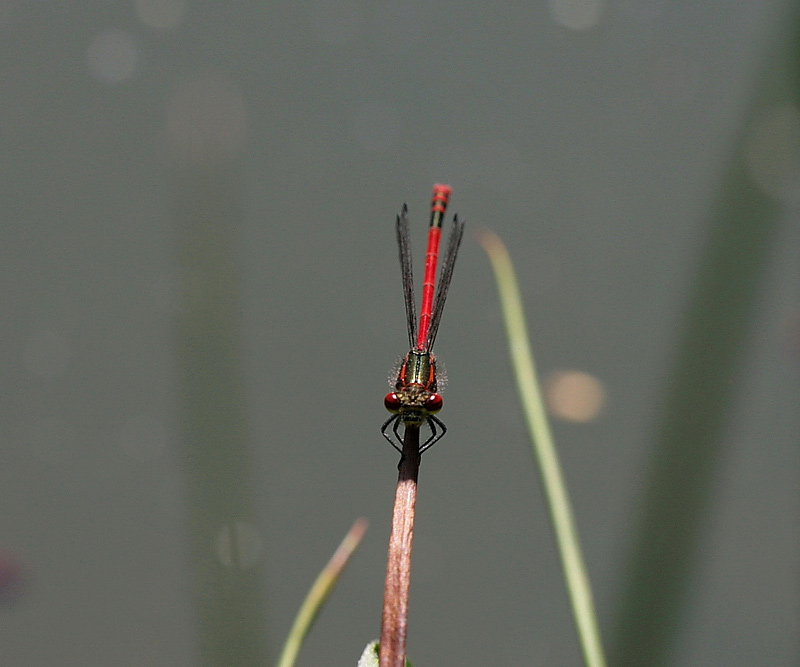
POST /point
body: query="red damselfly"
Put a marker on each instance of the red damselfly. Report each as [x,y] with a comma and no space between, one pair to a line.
[415,400]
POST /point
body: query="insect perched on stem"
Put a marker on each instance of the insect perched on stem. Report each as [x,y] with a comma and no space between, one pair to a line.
[415,400]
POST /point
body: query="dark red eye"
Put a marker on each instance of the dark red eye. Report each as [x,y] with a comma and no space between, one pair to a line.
[433,403]
[392,402]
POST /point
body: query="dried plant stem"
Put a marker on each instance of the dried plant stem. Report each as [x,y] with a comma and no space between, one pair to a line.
[394,622]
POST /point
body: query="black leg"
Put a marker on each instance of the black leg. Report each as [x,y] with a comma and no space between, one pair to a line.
[433,422]
[386,424]
[396,431]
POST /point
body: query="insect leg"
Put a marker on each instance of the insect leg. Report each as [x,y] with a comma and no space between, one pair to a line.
[433,422]
[384,428]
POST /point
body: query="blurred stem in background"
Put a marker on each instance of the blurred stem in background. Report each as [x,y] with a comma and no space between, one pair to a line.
[222,540]
[702,383]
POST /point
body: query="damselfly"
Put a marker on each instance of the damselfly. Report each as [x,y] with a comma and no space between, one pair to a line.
[415,400]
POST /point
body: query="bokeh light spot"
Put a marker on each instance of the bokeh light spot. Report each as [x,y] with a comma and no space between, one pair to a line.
[142,438]
[575,396]
[376,126]
[161,14]
[46,354]
[576,14]
[206,118]
[112,56]
[239,544]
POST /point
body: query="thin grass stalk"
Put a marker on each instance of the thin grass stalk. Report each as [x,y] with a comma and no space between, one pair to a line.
[572,562]
[319,592]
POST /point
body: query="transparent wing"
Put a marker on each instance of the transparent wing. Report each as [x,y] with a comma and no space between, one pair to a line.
[407,273]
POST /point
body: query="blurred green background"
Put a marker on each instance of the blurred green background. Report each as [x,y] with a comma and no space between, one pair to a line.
[201,303]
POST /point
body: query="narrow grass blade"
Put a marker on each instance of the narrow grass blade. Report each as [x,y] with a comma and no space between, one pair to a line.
[572,563]
[319,592]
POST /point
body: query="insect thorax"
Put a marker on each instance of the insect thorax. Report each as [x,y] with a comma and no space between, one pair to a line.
[418,368]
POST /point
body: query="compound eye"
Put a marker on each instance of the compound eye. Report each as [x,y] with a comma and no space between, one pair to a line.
[433,403]
[392,402]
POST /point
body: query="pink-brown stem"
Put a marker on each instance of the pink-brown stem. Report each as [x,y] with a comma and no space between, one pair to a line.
[394,622]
